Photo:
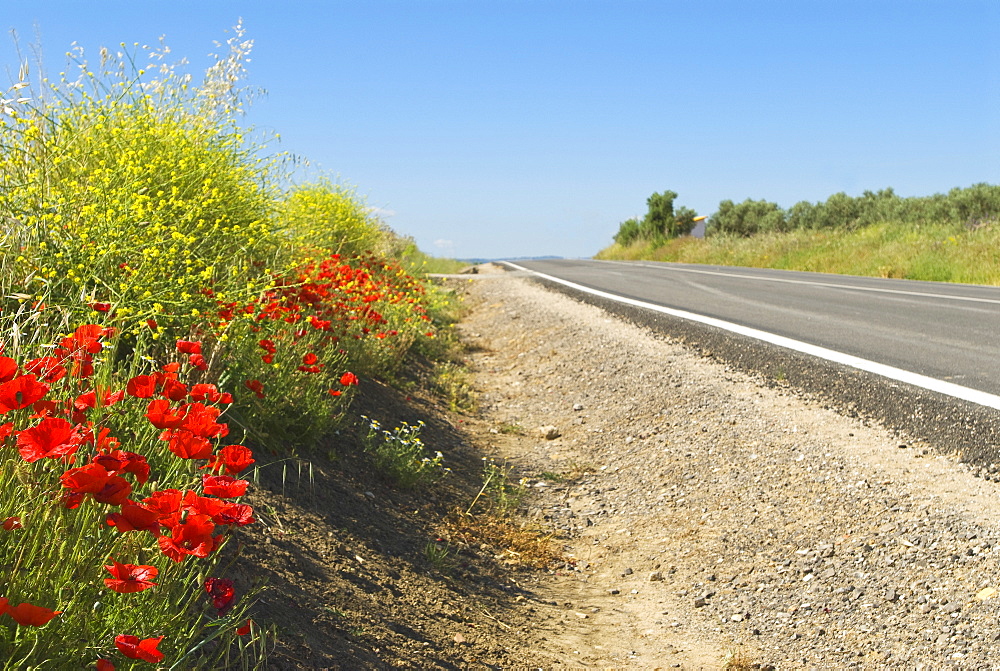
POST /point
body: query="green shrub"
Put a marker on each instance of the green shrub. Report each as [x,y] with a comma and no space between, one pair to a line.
[400,454]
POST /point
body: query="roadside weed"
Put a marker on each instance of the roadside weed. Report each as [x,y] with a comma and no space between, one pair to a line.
[400,454]
[439,554]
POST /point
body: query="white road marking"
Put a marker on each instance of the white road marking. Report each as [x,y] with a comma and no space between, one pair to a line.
[832,285]
[898,374]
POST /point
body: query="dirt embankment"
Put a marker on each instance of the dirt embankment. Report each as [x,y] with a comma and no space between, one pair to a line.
[703,516]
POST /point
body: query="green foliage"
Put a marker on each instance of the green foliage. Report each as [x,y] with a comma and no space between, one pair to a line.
[659,220]
[500,493]
[628,232]
[974,206]
[451,381]
[400,454]
[746,218]
[420,263]
[440,555]
[660,223]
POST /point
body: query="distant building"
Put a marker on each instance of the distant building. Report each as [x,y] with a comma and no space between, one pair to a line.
[699,228]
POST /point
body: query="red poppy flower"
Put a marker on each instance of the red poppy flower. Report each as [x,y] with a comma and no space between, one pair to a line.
[8,369]
[174,390]
[199,419]
[92,398]
[99,307]
[85,338]
[198,361]
[71,500]
[268,358]
[46,408]
[188,445]
[20,393]
[120,461]
[86,401]
[114,492]
[321,324]
[223,486]
[49,368]
[162,416]
[348,379]
[82,368]
[334,392]
[193,536]
[130,578]
[165,502]
[141,386]
[5,431]
[144,649]
[310,359]
[53,437]
[109,398]
[193,504]
[205,392]
[253,385]
[28,615]
[222,593]
[104,665]
[238,514]
[85,479]
[134,517]
[93,479]
[189,346]
[268,346]
[245,629]
[12,523]
[235,458]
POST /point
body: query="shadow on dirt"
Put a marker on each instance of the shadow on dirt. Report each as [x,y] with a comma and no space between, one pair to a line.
[355,575]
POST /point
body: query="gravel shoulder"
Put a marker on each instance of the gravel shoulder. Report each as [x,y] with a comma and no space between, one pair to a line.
[708,515]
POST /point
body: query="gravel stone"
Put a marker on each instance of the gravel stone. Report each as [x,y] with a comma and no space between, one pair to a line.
[804,515]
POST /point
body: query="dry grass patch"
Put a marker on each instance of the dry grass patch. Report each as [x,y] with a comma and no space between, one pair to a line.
[509,541]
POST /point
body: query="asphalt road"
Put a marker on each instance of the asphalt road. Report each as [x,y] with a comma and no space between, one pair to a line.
[944,331]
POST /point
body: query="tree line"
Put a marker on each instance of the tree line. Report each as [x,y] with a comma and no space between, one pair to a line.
[974,206]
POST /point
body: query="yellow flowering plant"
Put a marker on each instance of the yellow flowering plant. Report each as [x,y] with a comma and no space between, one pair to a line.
[141,197]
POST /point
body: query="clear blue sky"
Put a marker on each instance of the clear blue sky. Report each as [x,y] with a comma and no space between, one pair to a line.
[500,128]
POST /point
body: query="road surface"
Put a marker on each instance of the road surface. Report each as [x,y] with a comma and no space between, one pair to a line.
[947,332]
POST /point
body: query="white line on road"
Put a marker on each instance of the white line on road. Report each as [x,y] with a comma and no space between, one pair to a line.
[832,285]
[898,374]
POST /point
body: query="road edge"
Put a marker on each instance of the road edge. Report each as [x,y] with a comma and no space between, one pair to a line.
[947,424]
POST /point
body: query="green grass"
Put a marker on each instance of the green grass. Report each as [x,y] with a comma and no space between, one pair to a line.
[400,454]
[941,253]
[422,264]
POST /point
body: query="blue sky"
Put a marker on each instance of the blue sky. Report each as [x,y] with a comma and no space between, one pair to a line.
[507,128]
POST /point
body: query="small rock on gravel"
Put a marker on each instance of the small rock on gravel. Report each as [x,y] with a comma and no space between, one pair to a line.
[549,432]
